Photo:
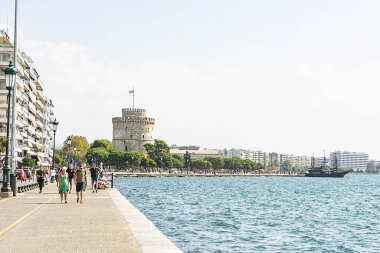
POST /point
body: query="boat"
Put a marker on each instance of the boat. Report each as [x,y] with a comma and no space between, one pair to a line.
[325,170]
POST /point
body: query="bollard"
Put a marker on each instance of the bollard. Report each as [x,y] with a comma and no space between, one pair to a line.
[112,180]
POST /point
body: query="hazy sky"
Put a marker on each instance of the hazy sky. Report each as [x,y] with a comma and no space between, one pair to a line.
[286,76]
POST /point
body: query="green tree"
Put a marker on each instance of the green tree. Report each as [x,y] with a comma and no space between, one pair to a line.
[58,160]
[248,165]
[177,157]
[286,166]
[104,143]
[216,162]
[82,145]
[133,158]
[117,158]
[28,162]
[3,144]
[371,167]
[148,163]
[177,163]
[160,153]
[237,163]
[98,155]
[228,164]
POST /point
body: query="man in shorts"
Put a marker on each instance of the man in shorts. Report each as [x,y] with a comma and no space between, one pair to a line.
[94,178]
[70,172]
[80,179]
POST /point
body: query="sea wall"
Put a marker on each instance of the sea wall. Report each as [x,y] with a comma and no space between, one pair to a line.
[145,232]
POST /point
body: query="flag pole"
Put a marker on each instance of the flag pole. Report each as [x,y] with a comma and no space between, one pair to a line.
[133,97]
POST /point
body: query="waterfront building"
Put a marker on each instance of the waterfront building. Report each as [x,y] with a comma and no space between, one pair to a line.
[319,160]
[198,154]
[356,161]
[261,157]
[273,159]
[295,161]
[132,130]
[229,153]
[34,109]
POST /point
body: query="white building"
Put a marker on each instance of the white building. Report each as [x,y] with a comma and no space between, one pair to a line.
[34,135]
[196,153]
[296,161]
[356,161]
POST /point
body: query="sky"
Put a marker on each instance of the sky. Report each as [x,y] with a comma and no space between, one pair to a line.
[293,76]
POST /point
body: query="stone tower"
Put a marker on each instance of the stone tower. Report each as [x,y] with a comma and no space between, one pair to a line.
[132,130]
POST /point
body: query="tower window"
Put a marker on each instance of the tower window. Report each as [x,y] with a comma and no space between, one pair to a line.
[126,148]
[126,128]
[131,135]
[143,136]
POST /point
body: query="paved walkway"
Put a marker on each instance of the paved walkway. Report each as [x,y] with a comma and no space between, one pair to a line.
[34,222]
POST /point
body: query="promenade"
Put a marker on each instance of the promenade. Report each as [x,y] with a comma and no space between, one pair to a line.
[33,222]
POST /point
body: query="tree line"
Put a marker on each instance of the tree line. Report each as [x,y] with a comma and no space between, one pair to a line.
[157,156]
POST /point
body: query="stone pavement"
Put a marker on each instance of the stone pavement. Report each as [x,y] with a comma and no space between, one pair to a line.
[33,222]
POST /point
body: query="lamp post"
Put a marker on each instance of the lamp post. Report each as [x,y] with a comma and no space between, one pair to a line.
[55,126]
[78,155]
[68,152]
[10,76]
[75,151]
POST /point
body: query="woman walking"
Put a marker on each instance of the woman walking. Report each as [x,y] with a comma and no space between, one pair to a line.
[63,186]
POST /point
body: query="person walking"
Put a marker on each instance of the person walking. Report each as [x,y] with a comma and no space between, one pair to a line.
[80,179]
[41,176]
[70,172]
[63,186]
[94,177]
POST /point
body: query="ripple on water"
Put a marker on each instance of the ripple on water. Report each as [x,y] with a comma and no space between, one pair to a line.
[262,214]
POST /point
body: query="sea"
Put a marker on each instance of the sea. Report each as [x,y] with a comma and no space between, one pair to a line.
[262,214]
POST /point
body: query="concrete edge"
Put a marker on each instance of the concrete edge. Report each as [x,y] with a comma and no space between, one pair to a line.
[147,235]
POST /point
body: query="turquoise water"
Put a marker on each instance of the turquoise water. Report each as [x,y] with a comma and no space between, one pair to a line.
[262,214]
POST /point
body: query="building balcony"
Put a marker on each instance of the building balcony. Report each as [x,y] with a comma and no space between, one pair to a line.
[39,113]
[39,103]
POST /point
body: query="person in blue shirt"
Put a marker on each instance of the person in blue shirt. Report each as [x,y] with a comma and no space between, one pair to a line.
[94,178]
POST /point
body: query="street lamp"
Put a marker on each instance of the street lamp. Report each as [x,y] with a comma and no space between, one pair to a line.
[68,152]
[10,77]
[55,126]
[75,151]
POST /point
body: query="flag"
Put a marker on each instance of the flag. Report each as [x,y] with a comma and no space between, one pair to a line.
[68,159]
[131,92]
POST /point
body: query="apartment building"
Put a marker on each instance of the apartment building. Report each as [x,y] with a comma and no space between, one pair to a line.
[296,161]
[35,110]
[349,160]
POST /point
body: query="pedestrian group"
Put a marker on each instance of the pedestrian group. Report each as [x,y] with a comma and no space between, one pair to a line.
[66,177]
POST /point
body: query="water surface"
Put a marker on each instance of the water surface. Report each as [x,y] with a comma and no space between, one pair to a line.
[262,214]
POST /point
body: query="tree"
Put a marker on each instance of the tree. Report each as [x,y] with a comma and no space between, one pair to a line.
[217,163]
[177,157]
[58,160]
[117,158]
[150,150]
[371,167]
[248,165]
[98,155]
[177,163]
[82,145]
[187,159]
[3,144]
[133,158]
[160,153]
[286,166]
[104,143]
[237,163]
[199,164]
[28,162]
[228,164]
[147,162]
